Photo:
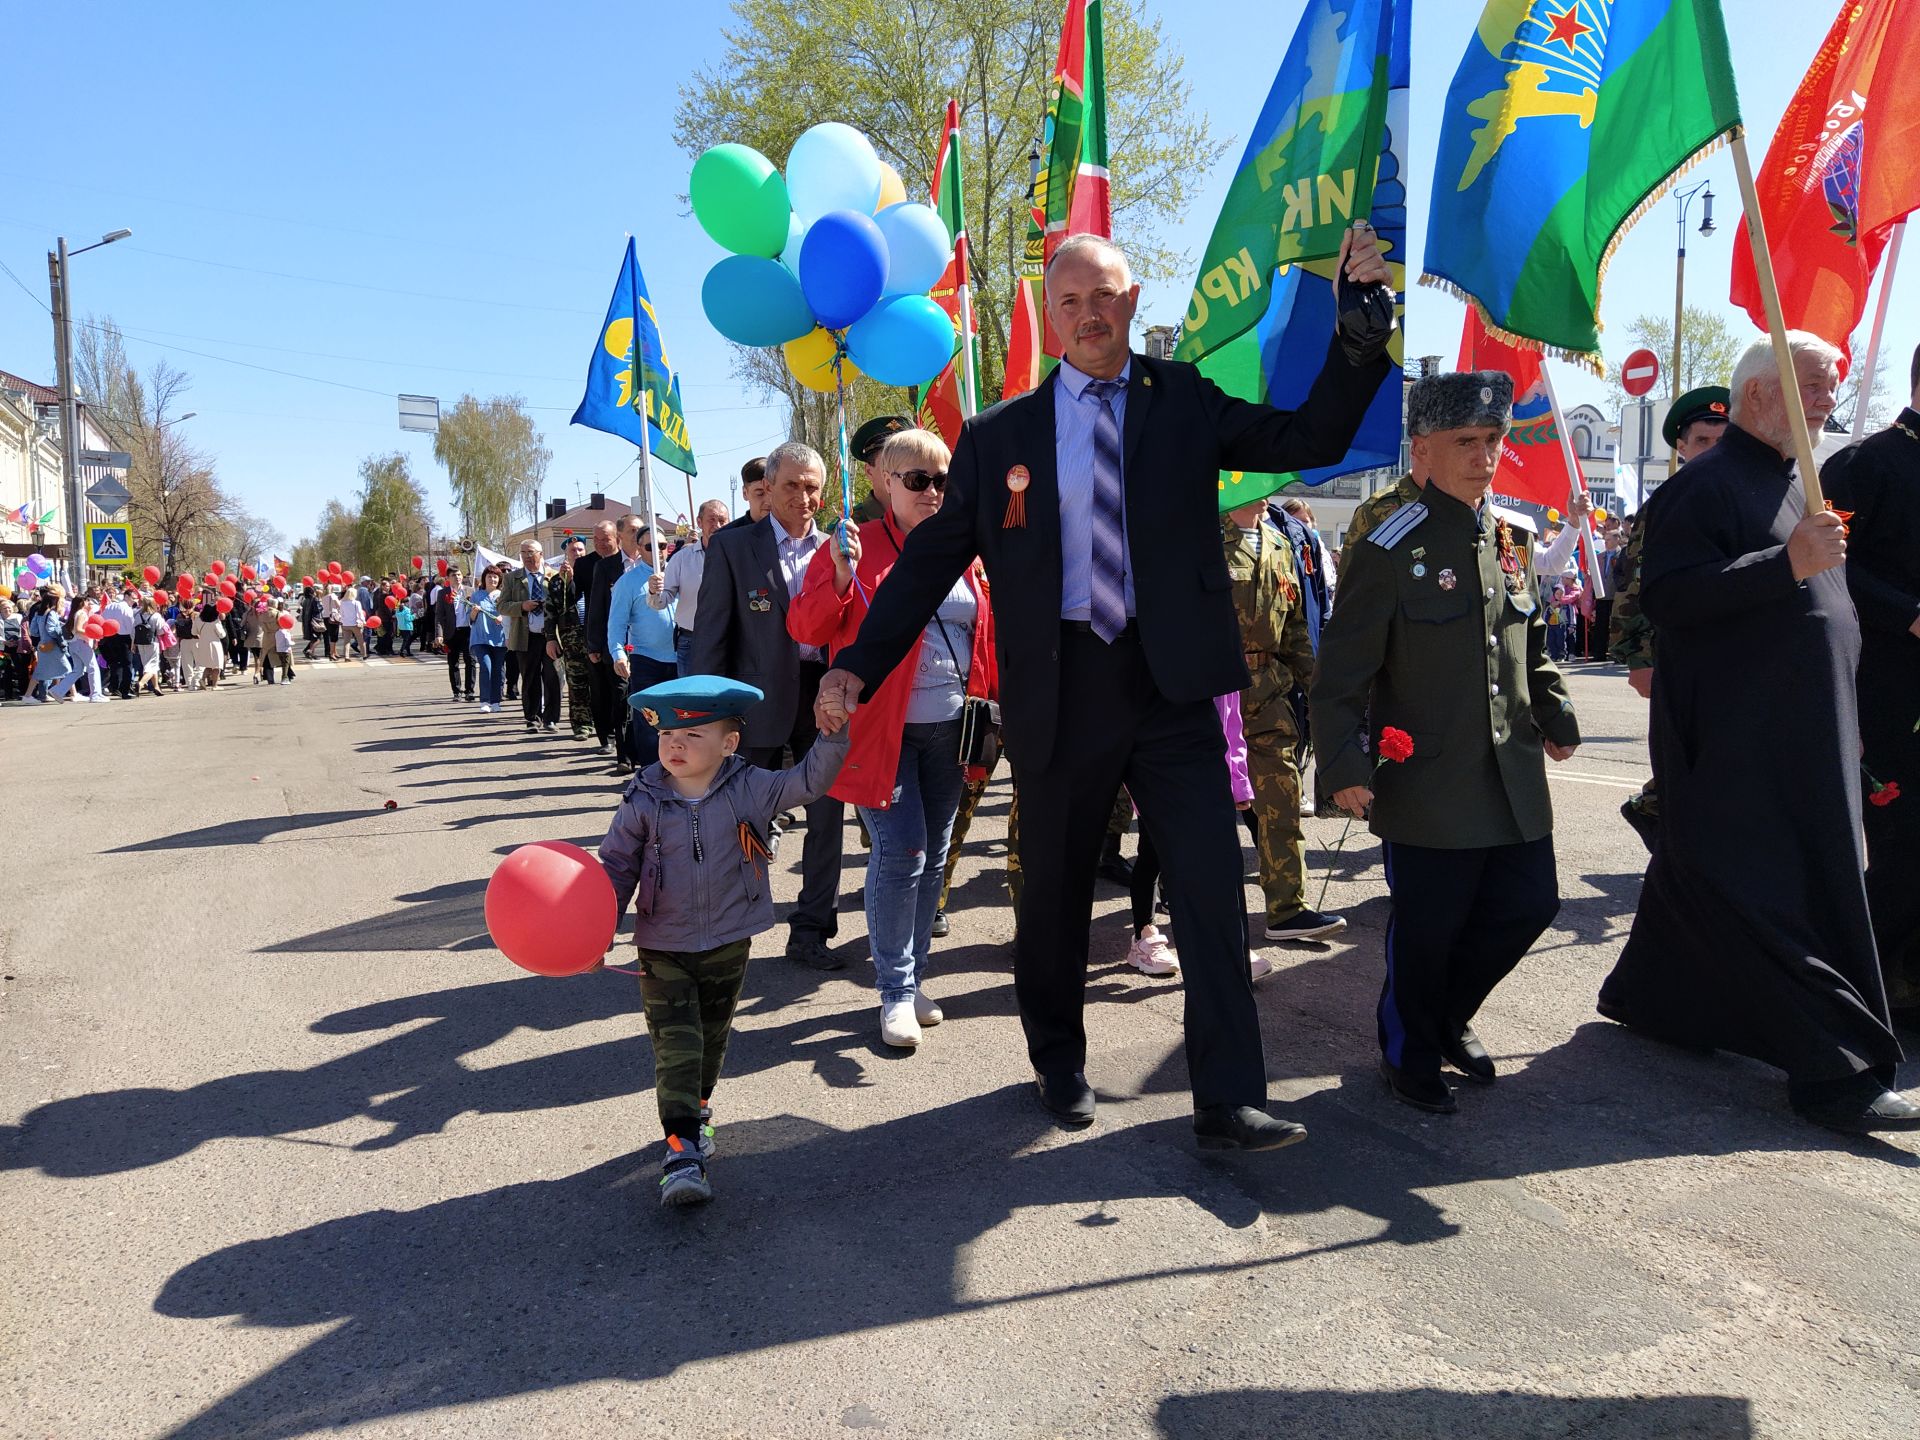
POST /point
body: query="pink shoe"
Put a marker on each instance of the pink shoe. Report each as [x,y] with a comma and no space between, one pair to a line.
[1151,955]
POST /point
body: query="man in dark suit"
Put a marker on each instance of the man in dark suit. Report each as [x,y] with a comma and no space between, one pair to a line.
[610,689]
[754,493]
[1093,501]
[751,575]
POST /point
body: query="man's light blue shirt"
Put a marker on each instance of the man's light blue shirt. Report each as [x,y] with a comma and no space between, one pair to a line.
[633,624]
[1074,413]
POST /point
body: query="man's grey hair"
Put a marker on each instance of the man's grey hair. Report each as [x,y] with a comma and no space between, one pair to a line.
[1098,246]
[707,505]
[1756,362]
[792,452]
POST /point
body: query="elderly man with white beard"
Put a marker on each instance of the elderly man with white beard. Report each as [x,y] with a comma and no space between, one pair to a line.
[1753,933]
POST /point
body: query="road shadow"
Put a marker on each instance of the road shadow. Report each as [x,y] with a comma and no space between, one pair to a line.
[244,832]
[1417,1414]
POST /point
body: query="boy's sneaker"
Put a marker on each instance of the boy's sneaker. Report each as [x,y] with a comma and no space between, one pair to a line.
[706,1130]
[683,1178]
[1307,924]
[1151,955]
[1260,967]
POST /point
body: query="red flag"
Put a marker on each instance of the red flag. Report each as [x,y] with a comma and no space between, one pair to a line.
[1843,167]
[1533,462]
[944,406]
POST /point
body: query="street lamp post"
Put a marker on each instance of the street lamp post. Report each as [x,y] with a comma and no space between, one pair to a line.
[1684,198]
[58,281]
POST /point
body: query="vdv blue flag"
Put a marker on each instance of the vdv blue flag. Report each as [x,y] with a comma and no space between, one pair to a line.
[614,392]
[1322,102]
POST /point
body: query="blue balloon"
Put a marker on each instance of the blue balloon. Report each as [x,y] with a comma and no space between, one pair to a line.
[832,167]
[843,267]
[755,301]
[906,340]
[918,247]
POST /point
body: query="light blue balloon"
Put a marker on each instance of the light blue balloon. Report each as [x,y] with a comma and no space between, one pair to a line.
[755,301]
[904,340]
[918,248]
[832,167]
[796,237]
[843,267]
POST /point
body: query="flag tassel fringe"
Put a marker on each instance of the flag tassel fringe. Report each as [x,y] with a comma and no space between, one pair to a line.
[1582,358]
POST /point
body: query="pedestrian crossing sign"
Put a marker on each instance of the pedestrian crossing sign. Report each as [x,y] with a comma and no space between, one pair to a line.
[110,545]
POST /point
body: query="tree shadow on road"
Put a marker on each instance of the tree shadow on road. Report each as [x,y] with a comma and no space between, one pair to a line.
[244,832]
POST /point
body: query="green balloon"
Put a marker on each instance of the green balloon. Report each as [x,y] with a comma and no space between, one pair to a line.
[740,200]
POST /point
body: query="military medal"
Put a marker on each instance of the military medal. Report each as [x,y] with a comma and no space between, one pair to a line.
[1419,571]
[1509,557]
[1018,478]
[1448,579]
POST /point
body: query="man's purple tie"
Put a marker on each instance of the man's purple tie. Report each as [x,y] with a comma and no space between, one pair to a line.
[1109,600]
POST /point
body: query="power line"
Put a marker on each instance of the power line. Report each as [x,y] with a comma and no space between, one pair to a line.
[23,287]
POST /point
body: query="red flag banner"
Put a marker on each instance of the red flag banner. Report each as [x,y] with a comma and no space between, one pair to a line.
[944,405]
[1533,462]
[1843,167]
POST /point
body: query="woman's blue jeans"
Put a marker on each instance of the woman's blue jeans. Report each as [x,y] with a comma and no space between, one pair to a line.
[490,661]
[910,856]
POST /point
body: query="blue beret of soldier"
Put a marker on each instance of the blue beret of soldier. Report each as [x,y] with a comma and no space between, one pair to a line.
[1461,400]
[690,700]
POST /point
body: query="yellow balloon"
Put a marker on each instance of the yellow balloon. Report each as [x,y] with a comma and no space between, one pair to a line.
[810,358]
[1553,517]
[1599,516]
[892,190]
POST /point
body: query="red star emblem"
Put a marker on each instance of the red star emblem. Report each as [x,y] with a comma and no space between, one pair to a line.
[1567,28]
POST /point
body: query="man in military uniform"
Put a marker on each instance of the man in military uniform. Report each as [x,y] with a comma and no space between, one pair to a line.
[1439,633]
[865,448]
[1405,491]
[1279,655]
[568,641]
[1694,424]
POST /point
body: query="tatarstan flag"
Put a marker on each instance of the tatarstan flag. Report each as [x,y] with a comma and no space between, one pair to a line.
[1843,169]
[1070,190]
[951,398]
[1567,121]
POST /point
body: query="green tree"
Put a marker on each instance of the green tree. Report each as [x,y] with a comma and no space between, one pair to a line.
[1708,348]
[495,463]
[888,67]
[1880,410]
[392,524]
[335,537]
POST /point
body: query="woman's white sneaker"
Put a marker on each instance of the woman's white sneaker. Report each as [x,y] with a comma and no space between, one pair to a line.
[926,1009]
[1151,955]
[898,1027]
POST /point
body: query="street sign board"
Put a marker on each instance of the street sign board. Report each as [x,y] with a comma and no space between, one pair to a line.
[110,545]
[110,495]
[111,459]
[1639,372]
[420,412]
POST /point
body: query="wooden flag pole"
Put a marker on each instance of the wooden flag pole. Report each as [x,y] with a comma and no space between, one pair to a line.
[1865,393]
[1777,327]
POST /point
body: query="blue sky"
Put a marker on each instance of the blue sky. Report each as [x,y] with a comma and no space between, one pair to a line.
[443,193]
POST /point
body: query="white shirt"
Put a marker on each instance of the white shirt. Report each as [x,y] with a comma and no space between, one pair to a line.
[681,582]
[350,612]
[795,556]
[1550,561]
[122,615]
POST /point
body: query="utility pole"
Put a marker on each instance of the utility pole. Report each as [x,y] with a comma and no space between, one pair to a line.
[59,282]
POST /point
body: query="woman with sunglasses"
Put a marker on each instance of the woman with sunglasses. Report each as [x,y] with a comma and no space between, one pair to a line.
[903,769]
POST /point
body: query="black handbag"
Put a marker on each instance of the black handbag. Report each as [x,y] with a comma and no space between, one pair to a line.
[979,718]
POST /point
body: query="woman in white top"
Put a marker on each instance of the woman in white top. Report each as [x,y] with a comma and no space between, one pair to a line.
[352,627]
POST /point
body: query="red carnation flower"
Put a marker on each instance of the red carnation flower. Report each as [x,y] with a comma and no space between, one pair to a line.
[1395,745]
[1885,794]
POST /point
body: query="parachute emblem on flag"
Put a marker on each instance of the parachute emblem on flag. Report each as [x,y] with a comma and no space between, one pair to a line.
[1565,84]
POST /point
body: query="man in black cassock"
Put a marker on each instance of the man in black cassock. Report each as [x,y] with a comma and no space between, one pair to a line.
[1753,932]
[1878,482]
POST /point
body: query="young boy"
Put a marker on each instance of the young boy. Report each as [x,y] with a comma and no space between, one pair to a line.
[688,847]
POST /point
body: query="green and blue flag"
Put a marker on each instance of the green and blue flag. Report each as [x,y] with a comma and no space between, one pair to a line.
[1566,121]
[1329,148]
[628,368]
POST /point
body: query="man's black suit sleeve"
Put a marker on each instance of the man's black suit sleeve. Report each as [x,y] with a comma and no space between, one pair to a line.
[1261,438]
[713,615]
[935,554]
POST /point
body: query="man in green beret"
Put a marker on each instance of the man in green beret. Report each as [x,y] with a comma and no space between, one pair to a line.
[1439,633]
[1694,424]
[865,448]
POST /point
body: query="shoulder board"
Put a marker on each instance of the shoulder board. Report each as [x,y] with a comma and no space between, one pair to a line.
[1519,519]
[1397,526]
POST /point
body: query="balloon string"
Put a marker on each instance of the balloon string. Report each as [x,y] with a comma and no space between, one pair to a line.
[846,458]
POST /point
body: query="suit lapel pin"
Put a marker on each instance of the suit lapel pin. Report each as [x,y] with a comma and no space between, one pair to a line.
[1018,478]
[1448,580]
[1419,570]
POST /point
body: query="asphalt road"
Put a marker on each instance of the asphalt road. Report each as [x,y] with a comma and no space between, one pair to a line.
[289,1149]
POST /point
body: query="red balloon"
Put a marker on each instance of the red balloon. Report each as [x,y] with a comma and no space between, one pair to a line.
[550,908]
[333,567]
[286,622]
[218,567]
[373,622]
[441,566]
[184,586]
[247,572]
[306,579]
[418,562]
[151,574]
[229,589]
[392,604]
[346,577]
[223,605]
[109,625]
[93,631]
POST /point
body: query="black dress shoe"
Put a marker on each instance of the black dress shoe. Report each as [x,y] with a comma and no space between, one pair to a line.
[1470,1058]
[1068,1098]
[814,954]
[1242,1127]
[941,926]
[1890,1110]
[1423,1092]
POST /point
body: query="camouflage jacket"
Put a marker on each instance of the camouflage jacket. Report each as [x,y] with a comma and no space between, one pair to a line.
[1273,621]
[1373,510]
[1630,633]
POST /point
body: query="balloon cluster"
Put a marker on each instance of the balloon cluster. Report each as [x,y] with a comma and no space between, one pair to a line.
[35,573]
[831,262]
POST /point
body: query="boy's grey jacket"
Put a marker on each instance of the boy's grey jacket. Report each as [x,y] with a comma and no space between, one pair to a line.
[693,884]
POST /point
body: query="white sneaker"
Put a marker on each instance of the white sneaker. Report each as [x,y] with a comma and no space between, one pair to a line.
[1151,955]
[898,1027]
[1262,967]
[926,1009]
[34,700]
